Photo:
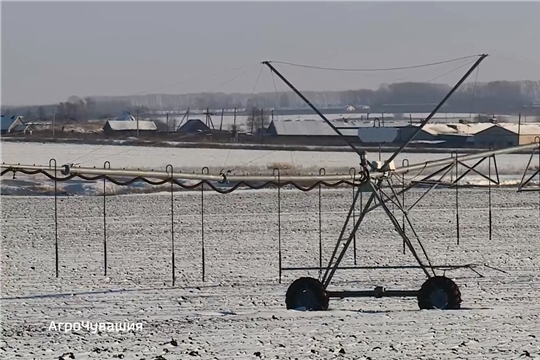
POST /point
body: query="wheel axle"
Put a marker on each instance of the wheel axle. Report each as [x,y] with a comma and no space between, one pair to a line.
[378,292]
[437,292]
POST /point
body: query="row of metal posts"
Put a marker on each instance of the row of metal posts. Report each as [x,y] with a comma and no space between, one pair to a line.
[169,169]
[205,170]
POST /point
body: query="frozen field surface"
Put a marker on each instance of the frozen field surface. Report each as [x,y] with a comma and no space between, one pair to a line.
[239,311]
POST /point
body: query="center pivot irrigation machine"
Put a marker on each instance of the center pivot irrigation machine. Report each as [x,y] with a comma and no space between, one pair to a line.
[437,292]
[312,294]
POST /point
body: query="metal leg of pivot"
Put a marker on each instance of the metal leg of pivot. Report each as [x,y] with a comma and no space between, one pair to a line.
[332,267]
[406,216]
[398,228]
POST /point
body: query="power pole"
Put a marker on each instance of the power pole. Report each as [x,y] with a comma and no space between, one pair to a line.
[53,121]
[235,132]
[137,124]
[252,120]
[262,126]
[221,123]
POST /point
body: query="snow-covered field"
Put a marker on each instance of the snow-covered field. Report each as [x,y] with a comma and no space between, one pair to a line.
[196,159]
[239,311]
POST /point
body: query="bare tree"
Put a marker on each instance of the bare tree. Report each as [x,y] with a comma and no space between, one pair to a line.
[41,114]
[257,120]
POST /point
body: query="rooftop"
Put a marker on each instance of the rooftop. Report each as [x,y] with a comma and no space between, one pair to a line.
[523,129]
[7,121]
[317,127]
[123,125]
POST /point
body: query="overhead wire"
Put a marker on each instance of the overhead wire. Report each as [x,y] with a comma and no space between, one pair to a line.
[252,92]
[375,69]
[194,78]
[233,78]
[277,100]
[257,80]
[474,92]
[451,71]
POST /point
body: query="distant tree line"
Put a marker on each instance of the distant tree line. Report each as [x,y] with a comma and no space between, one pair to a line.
[76,109]
[491,97]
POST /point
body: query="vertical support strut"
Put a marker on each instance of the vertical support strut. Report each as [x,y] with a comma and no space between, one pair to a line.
[106,165]
[352,172]
[454,153]
[204,171]
[53,161]
[404,162]
[321,172]
[276,173]
[170,170]
[489,199]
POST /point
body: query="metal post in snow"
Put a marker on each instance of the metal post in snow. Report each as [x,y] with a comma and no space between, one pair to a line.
[106,165]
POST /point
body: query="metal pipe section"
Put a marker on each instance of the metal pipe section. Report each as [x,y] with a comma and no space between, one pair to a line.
[381,267]
[360,176]
[187,176]
[377,293]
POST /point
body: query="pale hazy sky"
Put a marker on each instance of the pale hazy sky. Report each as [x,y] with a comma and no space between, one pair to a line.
[53,50]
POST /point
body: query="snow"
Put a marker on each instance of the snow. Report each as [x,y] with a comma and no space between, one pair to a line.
[239,310]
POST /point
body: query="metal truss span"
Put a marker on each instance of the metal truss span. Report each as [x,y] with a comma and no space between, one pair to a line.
[221,183]
[226,183]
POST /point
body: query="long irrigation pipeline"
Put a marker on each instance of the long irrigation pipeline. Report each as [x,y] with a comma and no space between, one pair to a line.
[219,183]
[225,184]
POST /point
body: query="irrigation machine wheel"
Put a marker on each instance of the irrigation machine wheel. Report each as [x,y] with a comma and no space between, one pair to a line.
[307,293]
[439,292]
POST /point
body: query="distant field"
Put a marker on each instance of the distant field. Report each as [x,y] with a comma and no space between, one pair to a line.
[216,159]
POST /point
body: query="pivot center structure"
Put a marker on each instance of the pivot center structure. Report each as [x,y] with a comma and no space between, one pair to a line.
[437,292]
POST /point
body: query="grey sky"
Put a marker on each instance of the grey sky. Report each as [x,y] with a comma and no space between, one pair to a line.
[53,50]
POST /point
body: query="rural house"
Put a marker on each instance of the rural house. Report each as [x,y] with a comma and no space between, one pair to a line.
[129,128]
[14,124]
[506,135]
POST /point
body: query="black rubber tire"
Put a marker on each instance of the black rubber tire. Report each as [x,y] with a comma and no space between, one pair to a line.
[449,296]
[308,293]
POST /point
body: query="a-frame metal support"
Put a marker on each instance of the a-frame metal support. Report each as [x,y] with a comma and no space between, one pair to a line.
[374,184]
